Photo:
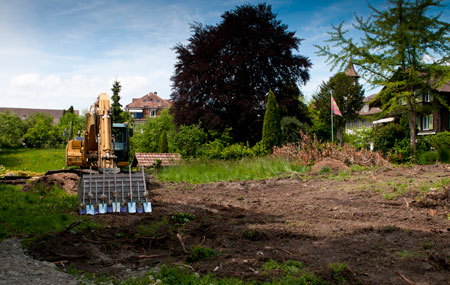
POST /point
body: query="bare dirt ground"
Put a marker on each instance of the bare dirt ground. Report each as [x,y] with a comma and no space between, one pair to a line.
[379,222]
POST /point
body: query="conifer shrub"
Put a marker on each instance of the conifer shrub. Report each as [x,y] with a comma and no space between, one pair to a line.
[163,145]
[271,135]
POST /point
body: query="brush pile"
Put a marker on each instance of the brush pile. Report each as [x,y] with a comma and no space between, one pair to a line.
[311,151]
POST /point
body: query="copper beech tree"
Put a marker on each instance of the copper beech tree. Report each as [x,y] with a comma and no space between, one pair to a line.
[223,73]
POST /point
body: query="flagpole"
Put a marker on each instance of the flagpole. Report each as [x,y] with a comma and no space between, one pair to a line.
[331,109]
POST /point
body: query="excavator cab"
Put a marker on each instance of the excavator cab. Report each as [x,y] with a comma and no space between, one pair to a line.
[122,135]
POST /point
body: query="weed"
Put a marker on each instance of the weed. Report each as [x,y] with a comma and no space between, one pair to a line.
[199,253]
[324,170]
[427,245]
[389,196]
[291,272]
[339,272]
[408,254]
[182,218]
[154,229]
[240,198]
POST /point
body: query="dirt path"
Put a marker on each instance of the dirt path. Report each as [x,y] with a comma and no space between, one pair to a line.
[18,268]
[367,220]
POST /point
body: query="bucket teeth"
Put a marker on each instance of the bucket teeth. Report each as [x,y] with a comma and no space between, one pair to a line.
[119,193]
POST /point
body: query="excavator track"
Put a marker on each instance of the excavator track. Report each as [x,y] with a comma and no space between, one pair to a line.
[113,193]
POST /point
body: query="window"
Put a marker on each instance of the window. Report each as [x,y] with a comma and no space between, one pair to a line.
[366,108]
[359,124]
[418,96]
[145,100]
[153,113]
[428,97]
[425,122]
[403,101]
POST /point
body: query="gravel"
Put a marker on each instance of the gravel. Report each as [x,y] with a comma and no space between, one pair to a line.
[18,268]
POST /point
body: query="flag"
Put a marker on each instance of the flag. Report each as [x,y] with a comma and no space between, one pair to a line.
[335,108]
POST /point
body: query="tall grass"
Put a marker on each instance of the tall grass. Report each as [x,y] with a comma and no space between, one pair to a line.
[36,212]
[33,160]
[205,171]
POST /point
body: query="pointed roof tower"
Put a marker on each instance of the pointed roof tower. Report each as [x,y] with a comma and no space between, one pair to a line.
[351,70]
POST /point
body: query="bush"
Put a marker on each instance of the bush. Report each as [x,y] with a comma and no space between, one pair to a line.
[386,137]
[12,129]
[428,157]
[188,140]
[41,132]
[444,154]
[440,140]
[290,130]
[271,135]
[401,152]
[147,136]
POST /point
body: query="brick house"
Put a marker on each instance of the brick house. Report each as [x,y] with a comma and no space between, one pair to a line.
[25,113]
[148,106]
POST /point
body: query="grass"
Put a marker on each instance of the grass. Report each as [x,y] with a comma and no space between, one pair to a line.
[32,160]
[205,171]
[30,214]
[288,272]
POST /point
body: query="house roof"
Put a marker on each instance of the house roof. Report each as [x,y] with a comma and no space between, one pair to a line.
[444,88]
[351,70]
[371,110]
[149,159]
[24,113]
[150,100]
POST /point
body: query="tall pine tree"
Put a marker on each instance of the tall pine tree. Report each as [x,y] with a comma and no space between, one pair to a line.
[404,49]
[271,135]
[116,106]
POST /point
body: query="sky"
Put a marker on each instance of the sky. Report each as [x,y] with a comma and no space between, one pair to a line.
[58,53]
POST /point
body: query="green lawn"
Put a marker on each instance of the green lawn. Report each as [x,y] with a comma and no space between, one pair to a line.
[205,171]
[33,160]
[33,213]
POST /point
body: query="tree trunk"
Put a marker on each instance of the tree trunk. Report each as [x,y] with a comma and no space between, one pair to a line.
[412,128]
[339,135]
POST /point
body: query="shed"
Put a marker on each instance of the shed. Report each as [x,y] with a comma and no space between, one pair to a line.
[149,159]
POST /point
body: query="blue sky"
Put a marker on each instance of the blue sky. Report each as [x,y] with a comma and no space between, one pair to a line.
[57,53]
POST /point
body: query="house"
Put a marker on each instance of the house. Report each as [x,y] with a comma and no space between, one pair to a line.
[148,106]
[365,114]
[25,113]
[433,118]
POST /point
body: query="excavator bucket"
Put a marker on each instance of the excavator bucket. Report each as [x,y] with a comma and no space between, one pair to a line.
[113,193]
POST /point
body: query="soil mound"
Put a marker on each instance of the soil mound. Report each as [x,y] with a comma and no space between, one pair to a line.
[67,181]
[333,165]
[435,199]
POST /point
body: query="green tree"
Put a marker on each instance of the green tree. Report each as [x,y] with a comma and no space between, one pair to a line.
[12,128]
[78,125]
[163,145]
[394,53]
[41,131]
[347,93]
[271,135]
[187,140]
[147,135]
[116,106]
[290,129]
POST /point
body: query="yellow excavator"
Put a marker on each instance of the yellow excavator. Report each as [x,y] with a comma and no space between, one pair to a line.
[103,149]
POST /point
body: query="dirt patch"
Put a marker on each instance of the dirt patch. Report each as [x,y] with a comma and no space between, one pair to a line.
[67,181]
[317,221]
[333,165]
